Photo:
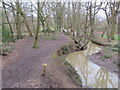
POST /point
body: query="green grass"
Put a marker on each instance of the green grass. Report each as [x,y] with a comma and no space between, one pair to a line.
[116,49]
[117,37]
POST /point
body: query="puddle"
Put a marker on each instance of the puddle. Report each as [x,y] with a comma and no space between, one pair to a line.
[91,74]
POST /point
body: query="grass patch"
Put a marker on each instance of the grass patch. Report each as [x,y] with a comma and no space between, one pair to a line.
[116,49]
[117,37]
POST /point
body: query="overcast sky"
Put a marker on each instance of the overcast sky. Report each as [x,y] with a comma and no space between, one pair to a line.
[100,14]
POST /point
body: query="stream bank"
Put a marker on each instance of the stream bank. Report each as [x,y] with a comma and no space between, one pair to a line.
[92,75]
[107,58]
[60,55]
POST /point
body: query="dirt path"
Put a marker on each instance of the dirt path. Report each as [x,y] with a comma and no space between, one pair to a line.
[25,68]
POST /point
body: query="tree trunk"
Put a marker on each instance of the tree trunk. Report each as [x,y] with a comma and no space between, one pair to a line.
[38,26]
[119,23]
[114,10]
[19,35]
[32,19]
[91,20]
[113,27]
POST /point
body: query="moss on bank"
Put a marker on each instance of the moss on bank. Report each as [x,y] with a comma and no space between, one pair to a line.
[60,55]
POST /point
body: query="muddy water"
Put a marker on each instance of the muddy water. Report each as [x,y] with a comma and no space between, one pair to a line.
[91,74]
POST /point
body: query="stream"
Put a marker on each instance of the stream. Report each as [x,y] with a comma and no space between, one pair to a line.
[92,75]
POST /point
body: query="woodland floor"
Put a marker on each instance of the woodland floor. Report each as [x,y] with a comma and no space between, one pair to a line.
[23,67]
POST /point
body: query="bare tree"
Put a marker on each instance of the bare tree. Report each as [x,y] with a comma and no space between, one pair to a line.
[38,26]
[114,6]
[19,34]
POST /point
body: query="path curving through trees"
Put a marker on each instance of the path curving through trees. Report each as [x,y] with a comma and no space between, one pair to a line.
[25,68]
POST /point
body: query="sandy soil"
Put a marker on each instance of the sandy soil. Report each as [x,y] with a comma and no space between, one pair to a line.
[23,68]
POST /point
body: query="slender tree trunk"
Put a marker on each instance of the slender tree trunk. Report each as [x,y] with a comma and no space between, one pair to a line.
[14,15]
[91,19]
[78,19]
[119,23]
[8,20]
[114,10]
[32,19]
[86,21]
[68,16]
[38,26]
[19,35]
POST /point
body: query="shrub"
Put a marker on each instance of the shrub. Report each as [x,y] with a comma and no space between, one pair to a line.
[6,35]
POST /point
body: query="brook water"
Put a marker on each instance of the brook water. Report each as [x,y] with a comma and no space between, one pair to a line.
[91,74]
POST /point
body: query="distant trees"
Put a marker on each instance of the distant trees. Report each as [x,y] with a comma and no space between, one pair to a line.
[59,12]
[111,12]
[17,13]
[77,19]
[114,6]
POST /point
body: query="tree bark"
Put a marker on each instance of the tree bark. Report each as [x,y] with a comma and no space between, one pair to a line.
[32,18]
[19,34]
[38,26]
[119,23]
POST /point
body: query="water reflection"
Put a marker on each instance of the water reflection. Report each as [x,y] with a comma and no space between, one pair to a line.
[91,74]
